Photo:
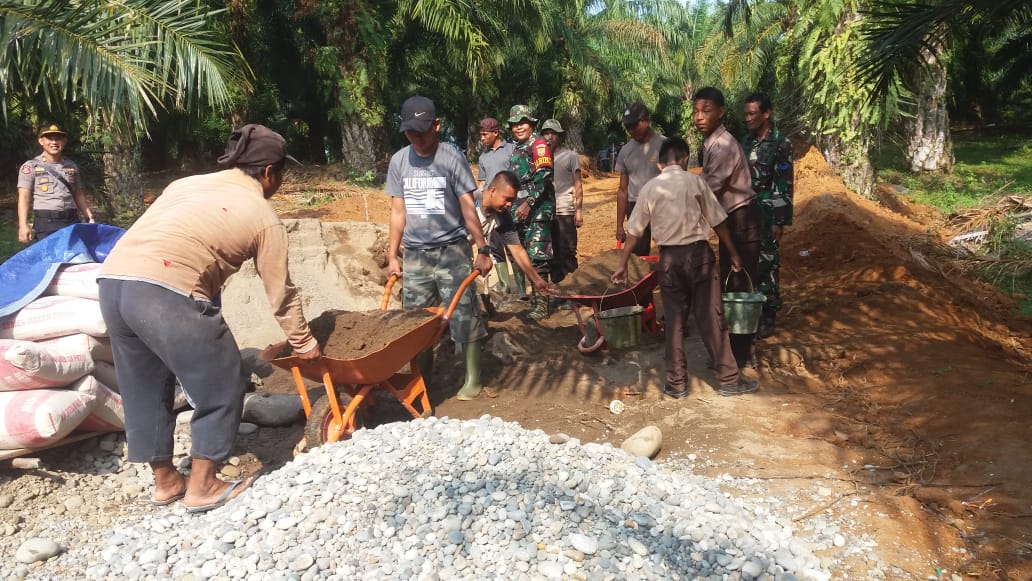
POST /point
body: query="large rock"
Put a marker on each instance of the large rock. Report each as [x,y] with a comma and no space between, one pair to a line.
[645,442]
[35,550]
[336,265]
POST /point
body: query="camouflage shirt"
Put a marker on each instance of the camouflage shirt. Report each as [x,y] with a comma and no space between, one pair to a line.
[770,165]
[531,161]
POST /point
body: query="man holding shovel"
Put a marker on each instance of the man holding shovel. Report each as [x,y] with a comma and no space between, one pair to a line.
[681,209]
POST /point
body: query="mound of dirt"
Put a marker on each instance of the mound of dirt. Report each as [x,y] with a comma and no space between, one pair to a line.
[354,334]
[592,277]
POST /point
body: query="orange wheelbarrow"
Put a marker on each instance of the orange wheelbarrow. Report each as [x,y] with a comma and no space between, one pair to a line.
[350,382]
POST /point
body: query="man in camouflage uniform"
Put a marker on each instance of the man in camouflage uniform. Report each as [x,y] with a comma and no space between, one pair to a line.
[769,154]
[534,210]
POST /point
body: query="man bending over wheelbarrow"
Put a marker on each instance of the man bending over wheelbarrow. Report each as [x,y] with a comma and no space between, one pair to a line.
[432,210]
[496,201]
[158,293]
[681,209]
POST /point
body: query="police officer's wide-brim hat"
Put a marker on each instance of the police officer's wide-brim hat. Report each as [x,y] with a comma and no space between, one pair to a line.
[52,129]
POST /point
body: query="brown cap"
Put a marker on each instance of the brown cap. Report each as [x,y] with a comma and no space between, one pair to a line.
[52,129]
[255,145]
[490,124]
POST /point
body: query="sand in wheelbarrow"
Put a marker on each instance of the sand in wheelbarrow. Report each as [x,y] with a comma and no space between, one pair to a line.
[350,335]
[591,279]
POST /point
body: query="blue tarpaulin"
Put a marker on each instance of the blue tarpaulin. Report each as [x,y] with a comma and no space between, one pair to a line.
[25,276]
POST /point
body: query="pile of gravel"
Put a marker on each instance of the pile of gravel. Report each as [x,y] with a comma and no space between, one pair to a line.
[448,499]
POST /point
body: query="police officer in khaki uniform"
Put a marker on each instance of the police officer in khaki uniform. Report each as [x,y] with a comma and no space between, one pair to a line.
[51,186]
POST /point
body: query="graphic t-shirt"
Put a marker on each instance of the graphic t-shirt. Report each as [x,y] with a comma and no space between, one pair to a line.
[431,187]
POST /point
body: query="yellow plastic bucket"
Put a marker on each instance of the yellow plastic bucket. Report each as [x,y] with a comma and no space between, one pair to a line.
[742,309]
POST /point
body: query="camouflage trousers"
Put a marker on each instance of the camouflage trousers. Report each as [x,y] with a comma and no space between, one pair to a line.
[536,237]
[431,277]
[769,270]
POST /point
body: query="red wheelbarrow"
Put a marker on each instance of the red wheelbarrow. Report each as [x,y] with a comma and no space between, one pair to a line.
[350,382]
[639,293]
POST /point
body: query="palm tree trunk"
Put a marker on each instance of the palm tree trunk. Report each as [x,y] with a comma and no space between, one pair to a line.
[361,144]
[573,137]
[851,160]
[929,147]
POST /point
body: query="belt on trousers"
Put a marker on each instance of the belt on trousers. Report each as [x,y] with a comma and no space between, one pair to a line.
[57,214]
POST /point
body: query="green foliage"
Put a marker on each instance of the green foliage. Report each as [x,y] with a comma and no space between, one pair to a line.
[127,58]
[9,244]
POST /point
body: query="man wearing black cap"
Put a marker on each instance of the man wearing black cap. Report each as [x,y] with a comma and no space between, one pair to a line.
[432,212]
[51,186]
[638,162]
[159,289]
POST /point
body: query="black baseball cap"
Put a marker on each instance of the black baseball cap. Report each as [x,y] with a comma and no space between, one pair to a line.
[635,113]
[418,114]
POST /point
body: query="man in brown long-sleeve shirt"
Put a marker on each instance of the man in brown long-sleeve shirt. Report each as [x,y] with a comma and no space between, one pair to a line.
[726,172]
[158,294]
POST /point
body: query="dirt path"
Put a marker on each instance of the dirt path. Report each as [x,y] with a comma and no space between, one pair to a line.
[901,389]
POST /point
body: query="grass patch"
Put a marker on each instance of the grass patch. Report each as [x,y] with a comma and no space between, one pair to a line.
[9,245]
[987,168]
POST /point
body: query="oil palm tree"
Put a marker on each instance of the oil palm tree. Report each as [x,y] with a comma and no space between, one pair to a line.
[121,60]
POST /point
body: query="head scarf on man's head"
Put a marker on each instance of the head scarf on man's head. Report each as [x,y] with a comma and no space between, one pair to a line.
[255,145]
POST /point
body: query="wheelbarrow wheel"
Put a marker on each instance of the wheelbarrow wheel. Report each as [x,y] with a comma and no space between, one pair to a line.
[320,426]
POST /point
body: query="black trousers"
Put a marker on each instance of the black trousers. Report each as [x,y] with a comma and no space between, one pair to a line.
[46,222]
[158,335]
[746,226]
[565,244]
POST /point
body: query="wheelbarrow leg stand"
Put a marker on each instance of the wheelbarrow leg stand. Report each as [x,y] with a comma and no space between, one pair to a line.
[342,422]
[410,387]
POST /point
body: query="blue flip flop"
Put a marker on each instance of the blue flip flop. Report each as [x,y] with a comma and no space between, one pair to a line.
[222,499]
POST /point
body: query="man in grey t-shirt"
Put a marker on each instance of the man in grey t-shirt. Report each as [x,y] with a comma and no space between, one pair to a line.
[569,198]
[637,164]
[432,210]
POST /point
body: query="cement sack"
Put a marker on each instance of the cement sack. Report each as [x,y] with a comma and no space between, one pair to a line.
[27,365]
[75,280]
[105,373]
[37,417]
[99,348]
[108,414]
[48,317]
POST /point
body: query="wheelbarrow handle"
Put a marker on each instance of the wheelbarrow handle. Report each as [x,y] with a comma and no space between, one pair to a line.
[455,299]
[387,292]
[458,294]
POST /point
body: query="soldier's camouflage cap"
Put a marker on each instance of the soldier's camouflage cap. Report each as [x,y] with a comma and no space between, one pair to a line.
[552,125]
[520,112]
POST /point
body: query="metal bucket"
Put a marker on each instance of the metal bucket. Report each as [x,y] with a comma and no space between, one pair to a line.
[743,310]
[622,326]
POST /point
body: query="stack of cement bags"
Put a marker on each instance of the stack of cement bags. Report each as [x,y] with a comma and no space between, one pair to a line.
[56,371]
